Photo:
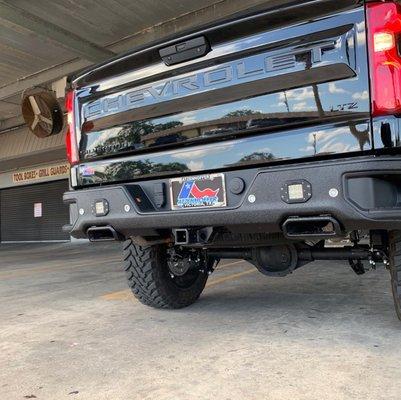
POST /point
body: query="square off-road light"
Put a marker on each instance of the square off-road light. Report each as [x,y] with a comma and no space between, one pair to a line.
[100,208]
[296,191]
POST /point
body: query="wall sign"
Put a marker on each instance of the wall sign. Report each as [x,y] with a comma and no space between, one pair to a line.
[37,210]
[41,173]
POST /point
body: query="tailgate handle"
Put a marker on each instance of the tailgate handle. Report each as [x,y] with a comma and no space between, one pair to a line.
[184,51]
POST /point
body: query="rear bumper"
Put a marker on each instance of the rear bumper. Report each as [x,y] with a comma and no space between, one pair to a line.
[360,193]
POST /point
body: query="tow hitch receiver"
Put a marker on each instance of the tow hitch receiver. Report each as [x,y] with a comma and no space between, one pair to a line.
[192,236]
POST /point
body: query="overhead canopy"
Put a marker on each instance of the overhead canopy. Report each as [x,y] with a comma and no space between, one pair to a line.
[42,41]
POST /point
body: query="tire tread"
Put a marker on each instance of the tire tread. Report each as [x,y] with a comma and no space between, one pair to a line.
[148,279]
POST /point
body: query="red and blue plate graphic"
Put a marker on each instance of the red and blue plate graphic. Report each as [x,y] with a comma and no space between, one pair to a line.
[198,192]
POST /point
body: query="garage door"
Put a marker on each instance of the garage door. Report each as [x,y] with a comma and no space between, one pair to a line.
[34,213]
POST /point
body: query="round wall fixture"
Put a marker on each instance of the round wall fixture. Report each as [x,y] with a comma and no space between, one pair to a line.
[42,112]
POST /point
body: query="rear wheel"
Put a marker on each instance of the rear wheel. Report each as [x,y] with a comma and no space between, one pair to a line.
[395,269]
[152,281]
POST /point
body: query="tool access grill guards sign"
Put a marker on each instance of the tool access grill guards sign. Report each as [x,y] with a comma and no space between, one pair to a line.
[41,173]
[205,191]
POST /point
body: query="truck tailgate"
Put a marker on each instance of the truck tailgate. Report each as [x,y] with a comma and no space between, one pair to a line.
[271,87]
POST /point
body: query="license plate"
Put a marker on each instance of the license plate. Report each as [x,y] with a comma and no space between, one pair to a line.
[204,191]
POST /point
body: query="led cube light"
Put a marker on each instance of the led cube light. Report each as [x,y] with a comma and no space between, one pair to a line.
[299,191]
[295,191]
[100,208]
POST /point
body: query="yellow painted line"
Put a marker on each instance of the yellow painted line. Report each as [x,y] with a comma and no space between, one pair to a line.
[127,294]
[229,264]
[230,277]
[21,272]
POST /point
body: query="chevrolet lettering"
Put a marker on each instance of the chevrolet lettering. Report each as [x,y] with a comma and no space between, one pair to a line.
[237,72]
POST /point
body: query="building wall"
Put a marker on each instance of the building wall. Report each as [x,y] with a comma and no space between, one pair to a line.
[20,148]
[33,174]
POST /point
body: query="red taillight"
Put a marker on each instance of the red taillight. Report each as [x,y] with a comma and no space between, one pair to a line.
[384,33]
[70,138]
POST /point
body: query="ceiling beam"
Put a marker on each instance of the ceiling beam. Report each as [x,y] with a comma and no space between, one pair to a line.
[11,123]
[80,46]
[43,77]
[220,9]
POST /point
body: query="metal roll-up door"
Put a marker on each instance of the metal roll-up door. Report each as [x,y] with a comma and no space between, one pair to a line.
[34,212]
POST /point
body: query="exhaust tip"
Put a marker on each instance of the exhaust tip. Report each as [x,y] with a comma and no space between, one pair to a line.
[103,234]
[311,227]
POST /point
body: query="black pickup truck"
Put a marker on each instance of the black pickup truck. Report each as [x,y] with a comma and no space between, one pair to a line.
[272,137]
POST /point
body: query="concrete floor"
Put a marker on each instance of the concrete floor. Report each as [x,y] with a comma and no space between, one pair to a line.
[70,329]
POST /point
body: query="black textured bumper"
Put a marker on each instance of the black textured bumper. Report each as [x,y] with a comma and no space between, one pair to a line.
[368,191]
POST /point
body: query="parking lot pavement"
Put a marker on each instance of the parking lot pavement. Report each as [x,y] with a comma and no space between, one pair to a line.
[71,329]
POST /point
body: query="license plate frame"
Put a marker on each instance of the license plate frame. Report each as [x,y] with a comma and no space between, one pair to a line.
[199,192]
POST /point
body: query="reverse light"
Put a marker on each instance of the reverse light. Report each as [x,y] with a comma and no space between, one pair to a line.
[384,32]
[70,138]
[383,41]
